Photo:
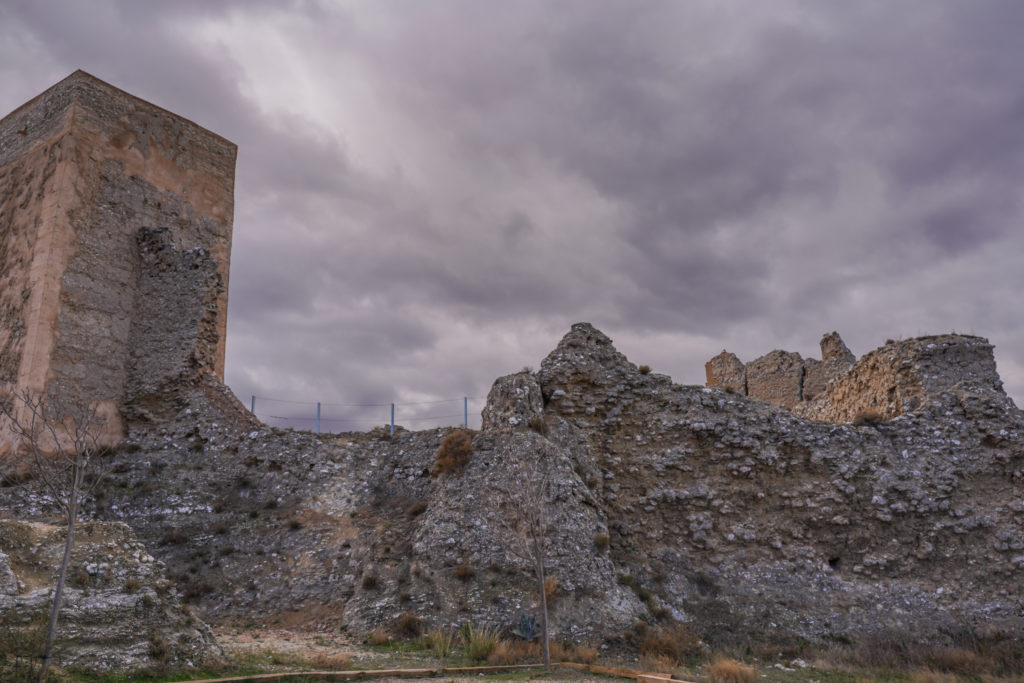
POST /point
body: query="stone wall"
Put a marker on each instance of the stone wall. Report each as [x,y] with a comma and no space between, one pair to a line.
[782,378]
[890,381]
[85,169]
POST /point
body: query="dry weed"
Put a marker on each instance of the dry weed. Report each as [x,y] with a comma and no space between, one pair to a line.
[730,671]
[454,452]
[330,661]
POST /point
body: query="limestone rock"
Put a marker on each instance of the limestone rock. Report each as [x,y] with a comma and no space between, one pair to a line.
[834,348]
[513,401]
[119,610]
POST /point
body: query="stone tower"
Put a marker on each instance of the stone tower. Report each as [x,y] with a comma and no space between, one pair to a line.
[115,242]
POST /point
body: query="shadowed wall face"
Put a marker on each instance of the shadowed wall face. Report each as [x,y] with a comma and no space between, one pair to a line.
[115,232]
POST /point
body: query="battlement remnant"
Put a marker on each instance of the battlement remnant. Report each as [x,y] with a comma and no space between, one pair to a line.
[890,381]
[94,182]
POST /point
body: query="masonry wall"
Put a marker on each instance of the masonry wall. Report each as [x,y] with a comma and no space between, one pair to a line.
[85,171]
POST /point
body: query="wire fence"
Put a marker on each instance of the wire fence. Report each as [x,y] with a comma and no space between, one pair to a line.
[318,416]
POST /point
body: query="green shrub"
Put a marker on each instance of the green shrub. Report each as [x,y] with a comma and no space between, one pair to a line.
[480,642]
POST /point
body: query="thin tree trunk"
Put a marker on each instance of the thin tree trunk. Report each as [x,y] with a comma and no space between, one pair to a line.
[544,614]
[51,628]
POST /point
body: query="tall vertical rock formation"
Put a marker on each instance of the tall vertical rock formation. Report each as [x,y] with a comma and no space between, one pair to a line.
[115,240]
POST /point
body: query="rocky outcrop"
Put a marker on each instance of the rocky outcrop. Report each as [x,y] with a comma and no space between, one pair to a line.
[119,610]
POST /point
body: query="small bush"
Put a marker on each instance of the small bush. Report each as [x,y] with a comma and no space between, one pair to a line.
[174,538]
[440,641]
[159,648]
[602,541]
[644,369]
[868,417]
[463,572]
[220,528]
[730,671]
[370,580]
[378,636]
[454,452]
[294,524]
[416,509]
[408,625]
[132,585]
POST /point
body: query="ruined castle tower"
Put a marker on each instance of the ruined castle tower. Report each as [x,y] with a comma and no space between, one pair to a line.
[115,241]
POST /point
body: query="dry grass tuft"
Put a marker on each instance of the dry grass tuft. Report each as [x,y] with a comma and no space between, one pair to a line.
[515,652]
[538,425]
[551,587]
[674,642]
[440,641]
[644,369]
[602,541]
[454,452]
[480,641]
[730,671]
[929,676]
[957,660]
[378,636]
[330,661]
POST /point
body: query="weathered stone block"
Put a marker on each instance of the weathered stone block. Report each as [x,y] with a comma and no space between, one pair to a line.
[726,372]
[776,377]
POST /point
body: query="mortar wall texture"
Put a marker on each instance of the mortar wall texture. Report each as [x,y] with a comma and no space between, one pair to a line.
[88,174]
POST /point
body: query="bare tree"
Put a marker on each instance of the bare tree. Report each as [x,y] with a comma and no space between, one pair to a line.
[529,497]
[62,444]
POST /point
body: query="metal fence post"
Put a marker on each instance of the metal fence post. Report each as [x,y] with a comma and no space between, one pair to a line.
[253,408]
[318,417]
[392,419]
[465,412]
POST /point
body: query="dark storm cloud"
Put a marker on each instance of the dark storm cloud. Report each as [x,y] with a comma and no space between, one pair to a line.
[429,194]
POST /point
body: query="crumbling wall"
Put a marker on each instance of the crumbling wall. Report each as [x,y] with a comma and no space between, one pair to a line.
[904,376]
[84,170]
[782,378]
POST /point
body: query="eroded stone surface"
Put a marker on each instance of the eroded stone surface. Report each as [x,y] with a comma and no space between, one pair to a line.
[119,610]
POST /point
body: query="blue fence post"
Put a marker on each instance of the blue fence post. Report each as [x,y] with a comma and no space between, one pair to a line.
[392,419]
[318,417]
[465,412]
[252,409]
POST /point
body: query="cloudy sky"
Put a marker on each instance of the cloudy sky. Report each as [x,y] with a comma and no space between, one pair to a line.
[430,193]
